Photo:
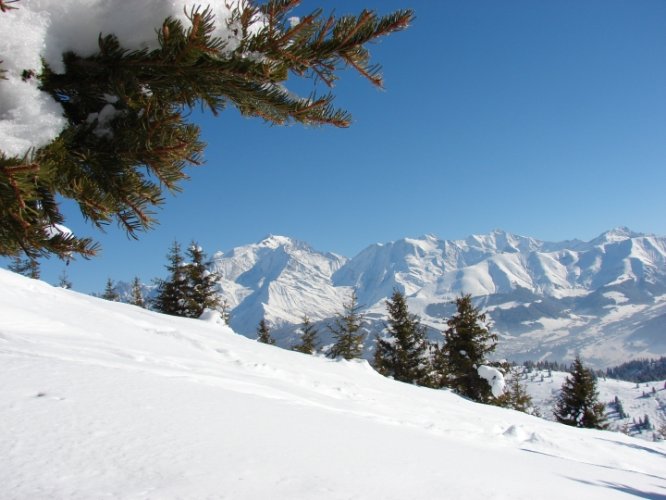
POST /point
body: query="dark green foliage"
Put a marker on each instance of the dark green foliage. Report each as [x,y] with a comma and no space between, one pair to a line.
[639,370]
[402,353]
[308,344]
[136,294]
[118,169]
[264,333]
[201,283]
[110,292]
[172,293]
[578,405]
[190,287]
[27,267]
[467,342]
[346,331]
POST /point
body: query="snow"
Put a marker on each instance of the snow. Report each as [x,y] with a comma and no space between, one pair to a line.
[637,400]
[29,118]
[548,298]
[101,399]
[494,377]
[58,230]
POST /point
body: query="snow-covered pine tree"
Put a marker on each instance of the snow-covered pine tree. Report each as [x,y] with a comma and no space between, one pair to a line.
[308,341]
[110,292]
[578,404]
[402,352]
[515,395]
[264,333]
[136,294]
[172,293]
[347,331]
[202,282]
[128,138]
[467,343]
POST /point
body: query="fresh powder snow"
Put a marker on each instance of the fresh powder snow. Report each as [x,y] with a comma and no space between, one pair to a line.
[100,399]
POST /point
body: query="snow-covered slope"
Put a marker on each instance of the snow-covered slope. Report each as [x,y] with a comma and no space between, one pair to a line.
[105,400]
[637,401]
[605,299]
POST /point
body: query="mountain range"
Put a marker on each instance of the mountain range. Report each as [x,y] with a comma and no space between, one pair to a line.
[604,299]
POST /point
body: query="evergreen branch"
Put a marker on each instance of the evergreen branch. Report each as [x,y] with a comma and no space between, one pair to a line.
[4,7]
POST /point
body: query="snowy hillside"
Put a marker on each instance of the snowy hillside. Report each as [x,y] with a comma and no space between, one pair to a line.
[604,299]
[636,401]
[105,400]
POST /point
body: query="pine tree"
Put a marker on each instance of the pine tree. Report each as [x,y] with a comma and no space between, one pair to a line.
[515,395]
[402,354]
[264,333]
[172,293]
[63,280]
[27,267]
[136,294]
[578,405]
[202,283]
[346,331]
[308,344]
[225,311]
[110,292]
[120,174]
[467,342]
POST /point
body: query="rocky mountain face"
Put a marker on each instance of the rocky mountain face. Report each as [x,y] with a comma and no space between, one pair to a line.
[604,299]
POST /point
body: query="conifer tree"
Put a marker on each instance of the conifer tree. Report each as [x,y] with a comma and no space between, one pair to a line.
[225,311]
[347,332]
[27,267]
[136,294]
[264,333]
[202,283]
[118,170]
[578,405]
[467,343]
[173,293]
[63,280]
[110,292]
[403,354]
[515,395]
[308,344]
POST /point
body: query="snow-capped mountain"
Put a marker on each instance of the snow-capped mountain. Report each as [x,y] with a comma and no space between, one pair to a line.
[278,278]
[605,298]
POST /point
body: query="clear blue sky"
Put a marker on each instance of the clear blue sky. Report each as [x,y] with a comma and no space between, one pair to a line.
[545,119]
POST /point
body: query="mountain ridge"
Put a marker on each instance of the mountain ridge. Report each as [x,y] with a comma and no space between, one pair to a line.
[604,299]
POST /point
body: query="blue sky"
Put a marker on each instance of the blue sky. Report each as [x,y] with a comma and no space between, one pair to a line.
[545,119]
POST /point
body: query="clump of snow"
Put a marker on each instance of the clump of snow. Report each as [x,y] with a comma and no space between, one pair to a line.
[103,120]
[212,316]
[46,29]
[57,230]
[494,378]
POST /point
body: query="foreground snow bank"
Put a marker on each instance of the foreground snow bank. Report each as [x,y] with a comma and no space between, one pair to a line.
[101,399]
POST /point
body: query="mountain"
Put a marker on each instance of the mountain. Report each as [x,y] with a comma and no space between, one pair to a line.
[101,399]
[604,299]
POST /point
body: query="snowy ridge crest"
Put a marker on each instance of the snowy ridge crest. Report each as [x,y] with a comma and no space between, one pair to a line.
[541,296]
